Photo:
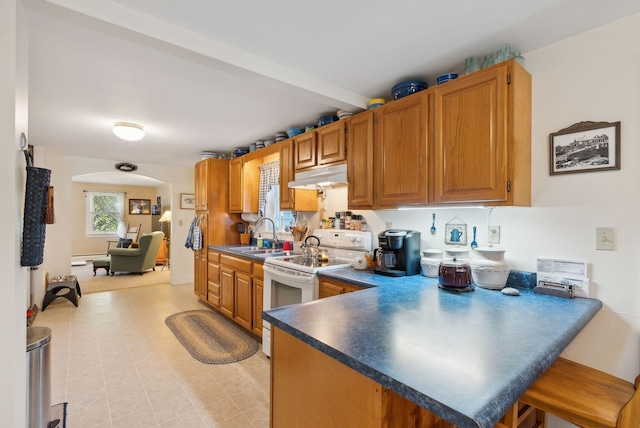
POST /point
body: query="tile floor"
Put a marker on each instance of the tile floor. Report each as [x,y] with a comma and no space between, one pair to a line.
[117,365]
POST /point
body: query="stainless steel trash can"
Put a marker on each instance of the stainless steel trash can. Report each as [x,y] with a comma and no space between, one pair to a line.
[38,376]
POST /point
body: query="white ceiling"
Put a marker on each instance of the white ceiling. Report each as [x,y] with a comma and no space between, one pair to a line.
[213,75]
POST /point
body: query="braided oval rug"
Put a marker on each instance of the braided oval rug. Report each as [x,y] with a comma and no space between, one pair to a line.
[210,337]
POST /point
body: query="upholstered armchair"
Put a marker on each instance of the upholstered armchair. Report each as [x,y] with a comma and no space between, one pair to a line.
[137,259]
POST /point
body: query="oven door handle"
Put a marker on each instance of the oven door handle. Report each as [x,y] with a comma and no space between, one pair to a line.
[282,271]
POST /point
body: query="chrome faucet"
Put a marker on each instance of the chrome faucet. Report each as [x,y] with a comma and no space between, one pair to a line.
[274,243]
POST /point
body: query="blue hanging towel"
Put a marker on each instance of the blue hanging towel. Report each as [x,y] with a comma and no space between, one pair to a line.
[189,242]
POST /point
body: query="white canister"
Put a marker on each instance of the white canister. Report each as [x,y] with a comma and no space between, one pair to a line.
[430,262]
[489,269]
[360,263]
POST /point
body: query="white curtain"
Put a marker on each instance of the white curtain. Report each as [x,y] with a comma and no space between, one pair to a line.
[269,179]
[122,228]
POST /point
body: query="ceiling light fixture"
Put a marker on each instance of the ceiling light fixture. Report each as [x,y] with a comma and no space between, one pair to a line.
[126,167]
[128,131]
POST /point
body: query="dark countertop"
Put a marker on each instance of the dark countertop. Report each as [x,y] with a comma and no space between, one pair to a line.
[465,357]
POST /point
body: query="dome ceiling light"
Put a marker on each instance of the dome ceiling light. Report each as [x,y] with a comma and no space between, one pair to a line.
[128,131]
[126,167]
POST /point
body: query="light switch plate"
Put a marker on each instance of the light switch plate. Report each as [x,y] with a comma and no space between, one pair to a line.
[604,239]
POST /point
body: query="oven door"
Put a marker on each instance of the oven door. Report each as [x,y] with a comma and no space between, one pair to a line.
[285,286]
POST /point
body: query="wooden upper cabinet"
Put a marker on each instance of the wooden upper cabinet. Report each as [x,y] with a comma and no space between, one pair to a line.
[201,185]
[244,183]
[326,145]
[400,152]
[482,138]
[360,160]
[305,150]
[293,199]
[331,143]
[236,184]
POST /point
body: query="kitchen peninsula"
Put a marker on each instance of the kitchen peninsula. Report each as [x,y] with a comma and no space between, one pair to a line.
[359,359]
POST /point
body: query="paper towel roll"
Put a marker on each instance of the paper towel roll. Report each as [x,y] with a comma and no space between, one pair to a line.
[360,263]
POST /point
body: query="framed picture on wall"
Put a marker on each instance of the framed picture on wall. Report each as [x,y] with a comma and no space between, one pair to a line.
[585,147]
[187,201]
[139,206]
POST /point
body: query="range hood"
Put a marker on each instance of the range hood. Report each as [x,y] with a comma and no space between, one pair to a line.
[326,176]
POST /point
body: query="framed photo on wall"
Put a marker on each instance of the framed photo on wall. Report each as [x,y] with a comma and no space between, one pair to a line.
[139,206]
[187,201]
[585,147]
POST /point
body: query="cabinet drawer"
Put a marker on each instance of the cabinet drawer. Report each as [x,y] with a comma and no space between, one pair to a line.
[213,289]
[213,300]
[213,273]
[258,270]
[237,264]
[214,257]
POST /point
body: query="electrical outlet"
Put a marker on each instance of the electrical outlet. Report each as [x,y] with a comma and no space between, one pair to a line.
[494,234]
[604,238]
[389,225]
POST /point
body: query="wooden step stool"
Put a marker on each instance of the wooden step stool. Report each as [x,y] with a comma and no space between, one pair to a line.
[584,396]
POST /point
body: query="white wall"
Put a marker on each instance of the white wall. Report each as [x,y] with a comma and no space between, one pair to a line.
[590,77]
[58,244]
[15,279]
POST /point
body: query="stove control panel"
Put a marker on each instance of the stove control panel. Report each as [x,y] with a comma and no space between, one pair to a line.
[345,239]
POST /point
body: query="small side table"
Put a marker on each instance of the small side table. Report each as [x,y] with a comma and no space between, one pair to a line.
[62,286]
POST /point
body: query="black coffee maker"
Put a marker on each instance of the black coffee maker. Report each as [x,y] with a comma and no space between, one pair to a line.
[398,253]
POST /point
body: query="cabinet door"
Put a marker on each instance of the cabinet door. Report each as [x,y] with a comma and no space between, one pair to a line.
[328,289]
[258,292]
[360,160]
[201,184]
[227,305]
[400,153]
[213,279]
[200,274]
[236,184]
[243,300]
[331,143]
[286,174]
[293,199]
[470,144]
[305,151]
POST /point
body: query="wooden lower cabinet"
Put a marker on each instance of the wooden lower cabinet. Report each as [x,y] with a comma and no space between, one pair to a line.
[328,288]
[200,274]
[310,389]
[243,300]
[258,292]
[213,278]
[235,288]
[227,286]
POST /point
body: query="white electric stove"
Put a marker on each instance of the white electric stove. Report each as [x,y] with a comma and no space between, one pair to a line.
[292,279]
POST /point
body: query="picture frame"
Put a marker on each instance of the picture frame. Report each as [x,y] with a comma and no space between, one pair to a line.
[187,201]
[139,206]
[455,233]
[585,147]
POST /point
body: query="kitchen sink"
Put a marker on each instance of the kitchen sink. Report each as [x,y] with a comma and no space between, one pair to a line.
[245,248]
[260,252]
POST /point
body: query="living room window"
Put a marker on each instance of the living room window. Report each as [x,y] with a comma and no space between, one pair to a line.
[105,213]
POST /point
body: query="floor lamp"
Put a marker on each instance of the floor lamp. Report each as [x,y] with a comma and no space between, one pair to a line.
[166,218]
